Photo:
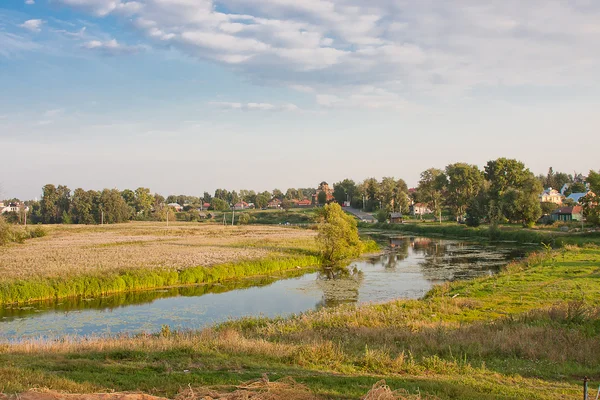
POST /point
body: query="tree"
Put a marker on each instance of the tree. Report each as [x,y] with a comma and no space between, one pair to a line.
[244,219]
[49,204]
[430,188]
[576,187]
[344,191]
[143,201]
[261,200]
[591,201]
[286,204]
[82,207]
[219,204]
[322,197]
[278,194]
[514,192]
[463,183]
[338,238]
[113,206]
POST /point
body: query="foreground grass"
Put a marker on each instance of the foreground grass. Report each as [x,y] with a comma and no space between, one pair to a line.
[531,332]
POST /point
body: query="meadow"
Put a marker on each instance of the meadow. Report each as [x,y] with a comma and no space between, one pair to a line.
[79,260]
[530,332]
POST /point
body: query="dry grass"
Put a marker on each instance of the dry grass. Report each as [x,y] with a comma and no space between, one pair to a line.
[82,250]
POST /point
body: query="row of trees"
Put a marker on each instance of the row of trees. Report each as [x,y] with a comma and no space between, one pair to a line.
[504,190]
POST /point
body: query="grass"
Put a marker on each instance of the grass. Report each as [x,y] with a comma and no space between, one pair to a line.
[501,233]
[530,332]
[96,261]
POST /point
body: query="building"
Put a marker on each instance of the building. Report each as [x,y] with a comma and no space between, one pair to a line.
[275,203]
[12,207]
[551,196]
[323,187]
[420,209]
[568,214]
[396,218]
[242,205]
[304,203]
[176,206]
[576,197]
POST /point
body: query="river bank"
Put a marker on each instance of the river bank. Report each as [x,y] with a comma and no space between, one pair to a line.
[514,234]
[529,332]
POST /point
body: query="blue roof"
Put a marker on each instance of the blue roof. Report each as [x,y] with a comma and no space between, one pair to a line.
[576,196]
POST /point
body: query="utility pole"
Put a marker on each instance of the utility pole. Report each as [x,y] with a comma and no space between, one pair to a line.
[167,216]
[232,215]
[102,217]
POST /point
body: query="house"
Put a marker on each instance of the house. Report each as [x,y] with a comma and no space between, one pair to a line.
[12,207]
[551,196]
[567,214]
[242,205]
[275,203]
[396,218]
[205,206]
[176,206]
[304,203]
[420,209]
[576,197]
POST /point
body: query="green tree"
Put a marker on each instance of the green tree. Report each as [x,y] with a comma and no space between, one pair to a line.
[113,206]
[338,238]
[463,183]
[219,204]
[82,207]
[49,204]
[430,189]
[262,200]
[591,201]
[344,191]
[244,219]
[322,198]
[143,201]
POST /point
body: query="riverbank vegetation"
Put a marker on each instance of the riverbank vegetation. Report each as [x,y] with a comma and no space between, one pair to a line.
[95,260]
[530,332]
[507,233]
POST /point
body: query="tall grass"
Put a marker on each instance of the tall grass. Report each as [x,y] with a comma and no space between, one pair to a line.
[18,234]
[91,286]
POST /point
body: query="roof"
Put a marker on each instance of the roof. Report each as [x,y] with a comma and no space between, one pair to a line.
[173,205]
[420,205]
[396,215]
[576,196]
[568,210]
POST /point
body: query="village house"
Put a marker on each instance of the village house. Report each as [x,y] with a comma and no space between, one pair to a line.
[420,209]
[323,187]
[176,206]
[568,214]
[12,207]
[242,205]
[275,203]
[551,196]
[304,203]
[576,197]
[396,218]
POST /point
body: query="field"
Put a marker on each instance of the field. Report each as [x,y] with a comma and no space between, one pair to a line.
[531,332]
[141,255]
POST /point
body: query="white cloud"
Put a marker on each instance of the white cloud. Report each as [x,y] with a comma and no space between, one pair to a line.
[254,106]
[111,47]
[54,112]
[29,2]
[399,49]
[33,25]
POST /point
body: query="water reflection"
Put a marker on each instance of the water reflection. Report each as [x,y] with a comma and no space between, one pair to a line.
[408,268]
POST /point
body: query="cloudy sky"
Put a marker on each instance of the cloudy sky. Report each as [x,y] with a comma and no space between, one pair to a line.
[184,96]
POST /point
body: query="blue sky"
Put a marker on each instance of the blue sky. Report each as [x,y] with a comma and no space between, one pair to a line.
[184,96]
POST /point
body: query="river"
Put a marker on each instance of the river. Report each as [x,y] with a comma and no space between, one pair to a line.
[408,268]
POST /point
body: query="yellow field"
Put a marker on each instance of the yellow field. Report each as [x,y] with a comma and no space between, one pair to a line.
[75,250]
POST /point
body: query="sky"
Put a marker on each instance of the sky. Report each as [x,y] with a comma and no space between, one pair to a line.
[185,96]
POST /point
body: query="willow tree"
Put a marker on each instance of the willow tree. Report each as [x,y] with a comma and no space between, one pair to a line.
[338,238]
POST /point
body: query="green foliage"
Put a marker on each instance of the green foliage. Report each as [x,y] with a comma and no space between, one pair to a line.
[322,197]
[218,204]
[244,219]
[338,238]
[382,215]
[464,182]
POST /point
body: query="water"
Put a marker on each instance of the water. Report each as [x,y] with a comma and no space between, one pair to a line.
[407,269]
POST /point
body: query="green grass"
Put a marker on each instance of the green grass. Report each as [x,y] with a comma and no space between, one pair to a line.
[530,332]
[94,286]
[500,233]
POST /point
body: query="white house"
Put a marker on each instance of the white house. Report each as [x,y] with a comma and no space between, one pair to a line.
[551,196]
[12,207]
[420,209]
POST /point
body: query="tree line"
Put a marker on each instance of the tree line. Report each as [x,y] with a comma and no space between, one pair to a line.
[504,190]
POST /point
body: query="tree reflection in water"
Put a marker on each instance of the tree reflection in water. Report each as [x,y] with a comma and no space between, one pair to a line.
[340,285]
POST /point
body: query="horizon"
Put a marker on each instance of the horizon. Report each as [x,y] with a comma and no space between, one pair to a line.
[187,96]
